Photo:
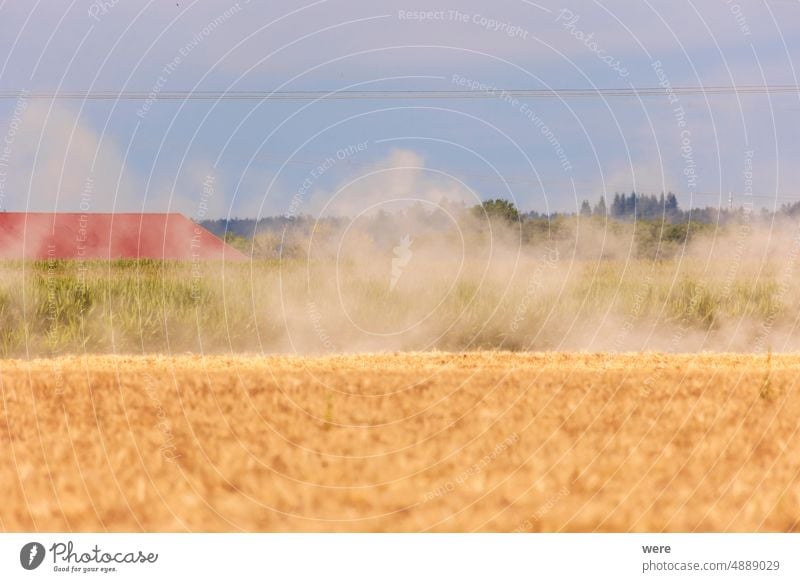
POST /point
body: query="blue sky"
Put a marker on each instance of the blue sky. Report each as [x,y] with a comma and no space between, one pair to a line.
[244,158]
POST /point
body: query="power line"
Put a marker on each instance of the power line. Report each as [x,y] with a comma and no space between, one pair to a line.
[492,93]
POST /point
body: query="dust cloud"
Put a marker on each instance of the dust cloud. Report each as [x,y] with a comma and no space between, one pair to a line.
[439,277]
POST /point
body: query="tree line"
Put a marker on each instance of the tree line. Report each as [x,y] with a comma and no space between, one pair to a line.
[663,208]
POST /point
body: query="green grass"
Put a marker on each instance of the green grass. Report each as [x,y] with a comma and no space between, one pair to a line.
[148,306]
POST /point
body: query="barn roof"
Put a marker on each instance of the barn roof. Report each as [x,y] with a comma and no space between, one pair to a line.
[72,235]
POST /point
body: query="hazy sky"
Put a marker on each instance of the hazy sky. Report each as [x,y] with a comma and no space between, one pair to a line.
[249,158]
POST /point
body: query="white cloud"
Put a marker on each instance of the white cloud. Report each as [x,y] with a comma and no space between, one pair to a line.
[401,179]
[58,162]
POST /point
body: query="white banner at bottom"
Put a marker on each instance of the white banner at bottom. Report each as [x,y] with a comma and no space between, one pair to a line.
[400,557]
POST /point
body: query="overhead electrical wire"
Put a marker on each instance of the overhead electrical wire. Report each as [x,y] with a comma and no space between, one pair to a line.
[402,95]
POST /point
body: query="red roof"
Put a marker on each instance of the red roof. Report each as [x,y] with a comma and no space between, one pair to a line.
[67,235]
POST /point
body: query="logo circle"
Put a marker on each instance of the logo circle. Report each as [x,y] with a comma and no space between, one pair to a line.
[31,555]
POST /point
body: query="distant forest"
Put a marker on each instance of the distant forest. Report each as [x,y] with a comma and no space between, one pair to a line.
[663,208]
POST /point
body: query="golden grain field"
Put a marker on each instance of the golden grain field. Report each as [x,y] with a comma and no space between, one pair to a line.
[401,442]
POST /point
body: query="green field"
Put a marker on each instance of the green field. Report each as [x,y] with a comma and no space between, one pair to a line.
[298,306]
